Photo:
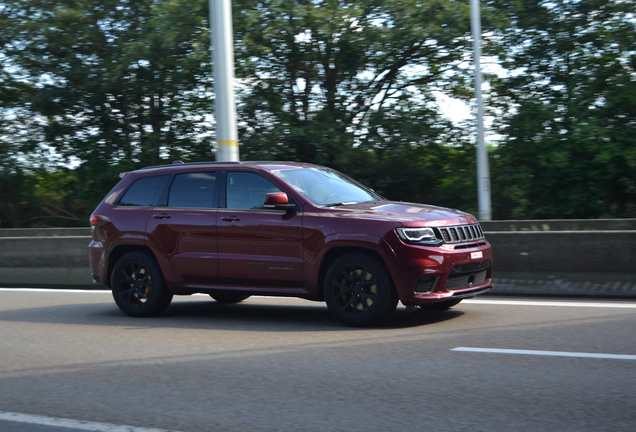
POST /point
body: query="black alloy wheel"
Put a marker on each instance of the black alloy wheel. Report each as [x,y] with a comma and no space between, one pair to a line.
[358,290]
[138,286]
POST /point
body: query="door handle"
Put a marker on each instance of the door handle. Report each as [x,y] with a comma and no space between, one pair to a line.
[230,218]
[161,216]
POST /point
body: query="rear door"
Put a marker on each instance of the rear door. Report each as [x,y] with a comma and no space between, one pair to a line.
[257,246]
[184,227]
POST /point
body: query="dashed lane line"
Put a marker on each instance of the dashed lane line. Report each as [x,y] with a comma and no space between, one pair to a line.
[546,353]
[71,424]
[553,303]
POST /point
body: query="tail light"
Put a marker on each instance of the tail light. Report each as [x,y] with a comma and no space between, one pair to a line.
[94,219]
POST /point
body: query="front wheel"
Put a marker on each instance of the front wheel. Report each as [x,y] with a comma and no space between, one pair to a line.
[358,290]
[138,286]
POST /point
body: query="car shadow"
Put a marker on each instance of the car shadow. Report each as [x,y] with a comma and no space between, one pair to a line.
[244,316]
[314,316]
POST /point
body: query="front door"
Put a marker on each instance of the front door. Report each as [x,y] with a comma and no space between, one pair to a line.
[257,246]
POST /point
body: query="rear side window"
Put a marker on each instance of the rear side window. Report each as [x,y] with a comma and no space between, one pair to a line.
[192,190]
[145,192]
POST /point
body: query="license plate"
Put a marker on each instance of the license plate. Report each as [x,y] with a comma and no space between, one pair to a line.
[476,255]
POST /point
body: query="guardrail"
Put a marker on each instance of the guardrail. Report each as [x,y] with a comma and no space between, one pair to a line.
[547,257]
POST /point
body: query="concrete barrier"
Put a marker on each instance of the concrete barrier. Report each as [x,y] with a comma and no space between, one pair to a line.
[561,225]
[594,258]
[564,251]
[45,258]
[564,257]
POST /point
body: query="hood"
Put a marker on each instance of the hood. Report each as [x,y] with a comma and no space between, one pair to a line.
[409,214]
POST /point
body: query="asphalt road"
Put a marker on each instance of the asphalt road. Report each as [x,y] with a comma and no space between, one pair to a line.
[71,361]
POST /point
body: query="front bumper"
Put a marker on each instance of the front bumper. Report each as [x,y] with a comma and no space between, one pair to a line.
[424,275]
[439,296]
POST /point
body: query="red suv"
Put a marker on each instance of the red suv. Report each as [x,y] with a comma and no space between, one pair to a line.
[233,230]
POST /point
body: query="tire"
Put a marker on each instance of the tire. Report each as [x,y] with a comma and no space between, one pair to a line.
[358,291]
[441,306]
[229,297]
[138,286]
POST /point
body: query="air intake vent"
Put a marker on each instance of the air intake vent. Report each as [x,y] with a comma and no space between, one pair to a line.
[426,284]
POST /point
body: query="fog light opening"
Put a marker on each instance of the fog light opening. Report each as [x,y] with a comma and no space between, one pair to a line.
[426,284]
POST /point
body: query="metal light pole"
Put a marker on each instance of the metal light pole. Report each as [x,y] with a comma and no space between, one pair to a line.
[227,149]
[483,172]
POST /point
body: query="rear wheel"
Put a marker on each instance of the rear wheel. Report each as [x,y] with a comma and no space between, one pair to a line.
[358,290]
[229,297]
[138,286]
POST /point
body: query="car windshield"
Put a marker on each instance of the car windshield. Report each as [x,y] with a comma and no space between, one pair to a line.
[326,187]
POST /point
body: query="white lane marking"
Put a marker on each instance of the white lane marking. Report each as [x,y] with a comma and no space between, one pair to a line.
[555,303]
[71,424]
[55,290]
[546,353]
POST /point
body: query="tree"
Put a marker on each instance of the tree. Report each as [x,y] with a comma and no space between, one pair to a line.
[570,144]
[108,85]
[323,78]
[115,81]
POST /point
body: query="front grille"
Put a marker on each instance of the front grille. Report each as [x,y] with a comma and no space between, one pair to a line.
[465,280]
[461,233]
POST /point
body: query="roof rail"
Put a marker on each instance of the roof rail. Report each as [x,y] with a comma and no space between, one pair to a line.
[178,162]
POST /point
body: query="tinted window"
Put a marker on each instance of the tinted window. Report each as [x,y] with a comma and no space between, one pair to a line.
[192,190]
[144,192]
[247,190]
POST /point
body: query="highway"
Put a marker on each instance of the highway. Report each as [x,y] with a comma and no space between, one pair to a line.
[71,361]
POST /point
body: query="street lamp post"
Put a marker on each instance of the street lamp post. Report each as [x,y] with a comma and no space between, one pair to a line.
[483,172]
[227,149]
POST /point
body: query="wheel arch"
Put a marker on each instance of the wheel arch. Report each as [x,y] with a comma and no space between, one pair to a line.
[121,250]
[337,251]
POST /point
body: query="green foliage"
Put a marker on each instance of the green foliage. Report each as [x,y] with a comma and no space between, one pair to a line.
[327,77]
[350,84]
[571,136]
[110,79]
[109,84]
[113,85]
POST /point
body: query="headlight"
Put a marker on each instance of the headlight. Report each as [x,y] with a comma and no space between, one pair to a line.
[423,236]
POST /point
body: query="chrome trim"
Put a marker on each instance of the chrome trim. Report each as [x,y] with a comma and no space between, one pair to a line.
[461,233]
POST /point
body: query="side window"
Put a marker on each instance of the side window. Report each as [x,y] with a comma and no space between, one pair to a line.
[247,190]
[192,190]
[144,192]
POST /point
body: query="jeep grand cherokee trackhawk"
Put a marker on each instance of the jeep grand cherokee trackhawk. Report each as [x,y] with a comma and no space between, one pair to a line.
[237,229]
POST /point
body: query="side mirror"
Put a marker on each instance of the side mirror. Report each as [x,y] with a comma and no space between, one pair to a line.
[279,201]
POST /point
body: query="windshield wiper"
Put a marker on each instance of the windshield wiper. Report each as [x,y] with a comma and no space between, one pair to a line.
[337,204]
